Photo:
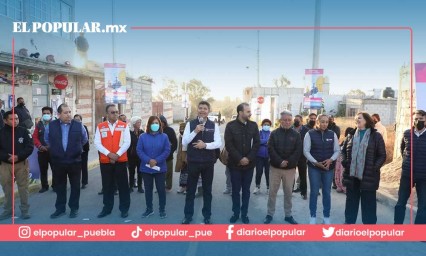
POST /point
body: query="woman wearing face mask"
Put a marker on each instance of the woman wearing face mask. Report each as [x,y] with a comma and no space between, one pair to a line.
[181,164]
[153,149]
[262,160]
[134,161]
[365,154]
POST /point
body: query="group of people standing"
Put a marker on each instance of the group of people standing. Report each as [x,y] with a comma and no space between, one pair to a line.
[312,149]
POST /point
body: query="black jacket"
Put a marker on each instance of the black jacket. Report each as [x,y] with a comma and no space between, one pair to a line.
[171,134]
[374,160]
[23,143]
[241,140]
[132,155]
[86,146]
[285,145]
[1,118]
[335,129]
[23,115]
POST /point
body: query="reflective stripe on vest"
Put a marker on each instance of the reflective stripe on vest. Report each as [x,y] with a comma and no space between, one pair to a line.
[112,142]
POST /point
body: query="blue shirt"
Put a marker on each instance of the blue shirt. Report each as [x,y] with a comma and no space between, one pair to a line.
[65,128]
[361,134]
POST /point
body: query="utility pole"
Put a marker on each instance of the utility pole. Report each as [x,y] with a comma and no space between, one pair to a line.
[258,58]
[315,60]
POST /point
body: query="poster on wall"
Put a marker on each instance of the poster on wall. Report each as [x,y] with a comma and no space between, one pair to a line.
[314,89]
[115,83]
[420,69]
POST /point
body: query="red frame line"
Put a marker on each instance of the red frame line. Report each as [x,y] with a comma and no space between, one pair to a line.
[253,28]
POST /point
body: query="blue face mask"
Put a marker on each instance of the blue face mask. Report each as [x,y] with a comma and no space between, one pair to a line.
[155,127]
[266,128]
[47,117]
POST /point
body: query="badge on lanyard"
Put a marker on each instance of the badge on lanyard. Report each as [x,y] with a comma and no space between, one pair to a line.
[104,134]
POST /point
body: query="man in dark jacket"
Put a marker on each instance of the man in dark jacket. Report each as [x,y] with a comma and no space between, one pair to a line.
[419,170]
[84,155]
[23,149]
[285,148]
[242,142]
[66,138]
[43,151]
[171,134]
[202,138]
[301,165]
[333,126]
[25,119]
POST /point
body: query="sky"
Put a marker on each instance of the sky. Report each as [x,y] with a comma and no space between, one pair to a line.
[226,60]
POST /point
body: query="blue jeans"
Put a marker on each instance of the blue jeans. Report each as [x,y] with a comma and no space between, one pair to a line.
[160,184]
[241,180]
[316,178]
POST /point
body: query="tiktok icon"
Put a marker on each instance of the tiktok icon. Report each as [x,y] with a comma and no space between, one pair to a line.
[135,233]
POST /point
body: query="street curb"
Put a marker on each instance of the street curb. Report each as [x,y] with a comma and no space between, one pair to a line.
[35,187]
[389,200]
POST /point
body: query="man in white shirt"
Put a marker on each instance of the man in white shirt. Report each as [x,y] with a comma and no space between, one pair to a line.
[202,138]
[112,139]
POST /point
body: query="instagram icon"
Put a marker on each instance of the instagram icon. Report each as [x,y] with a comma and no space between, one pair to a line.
[24,232]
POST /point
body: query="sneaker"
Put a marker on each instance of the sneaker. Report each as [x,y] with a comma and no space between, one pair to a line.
[181,190]
[147,213]
[5,215]
[163,215]
[313,220]
[326,221]
[267,219]
[256,190]
[227,191]
[57,214]
[234,218]
[73,213]
[245,219]
[290,220]
[186,220]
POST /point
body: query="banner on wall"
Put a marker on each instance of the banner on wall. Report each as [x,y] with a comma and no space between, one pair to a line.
[420,69]
[314,89]
[115,83]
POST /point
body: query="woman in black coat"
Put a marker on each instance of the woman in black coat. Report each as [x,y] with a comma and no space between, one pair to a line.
[133,159]
[363,157]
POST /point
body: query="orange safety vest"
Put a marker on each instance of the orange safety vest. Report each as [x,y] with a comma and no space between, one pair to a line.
[112,142]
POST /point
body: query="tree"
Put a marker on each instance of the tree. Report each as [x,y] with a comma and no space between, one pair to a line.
[197,92]
[170,92]
[282,82]
[357,93]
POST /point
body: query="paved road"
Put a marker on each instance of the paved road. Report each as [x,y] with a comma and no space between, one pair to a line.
[42,205]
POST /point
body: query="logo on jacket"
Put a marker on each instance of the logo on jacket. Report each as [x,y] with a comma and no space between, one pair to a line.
[21,140]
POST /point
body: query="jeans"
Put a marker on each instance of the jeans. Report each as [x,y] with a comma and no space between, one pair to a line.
[318,177]
[403,196]
[194,170]
[134,166]
[262,163]
[43,163]
[241,180]
[159,178]
[368,203]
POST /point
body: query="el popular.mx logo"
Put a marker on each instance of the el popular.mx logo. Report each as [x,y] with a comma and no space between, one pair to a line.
[327,233]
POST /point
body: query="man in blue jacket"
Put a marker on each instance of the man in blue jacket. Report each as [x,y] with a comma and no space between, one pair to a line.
[417,174]
[65,138]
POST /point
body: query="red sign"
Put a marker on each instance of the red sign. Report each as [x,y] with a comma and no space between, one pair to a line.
[60,82]
[260,100]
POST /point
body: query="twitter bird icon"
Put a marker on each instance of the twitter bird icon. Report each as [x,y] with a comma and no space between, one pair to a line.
[328,232]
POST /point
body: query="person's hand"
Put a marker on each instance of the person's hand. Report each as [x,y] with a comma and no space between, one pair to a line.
[199,144]
[244,161]
[42,149]
[113,156]
[152,163]
[284,164]
[199,128]
[327,164]
[320,165]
